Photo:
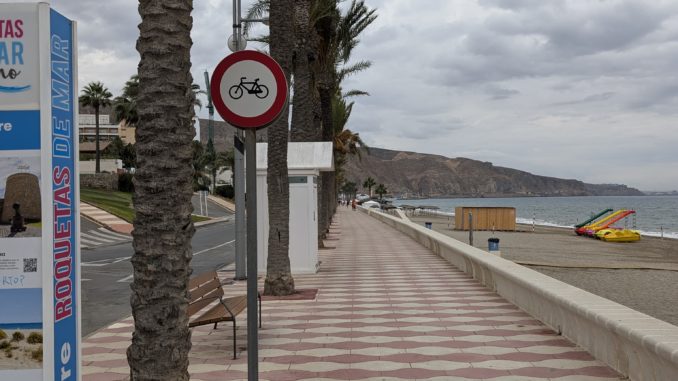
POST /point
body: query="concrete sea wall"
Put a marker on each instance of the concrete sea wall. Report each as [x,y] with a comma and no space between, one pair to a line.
[636,345]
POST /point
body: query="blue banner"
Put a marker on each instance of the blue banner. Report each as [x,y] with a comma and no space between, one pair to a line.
[64,198]
[19,130]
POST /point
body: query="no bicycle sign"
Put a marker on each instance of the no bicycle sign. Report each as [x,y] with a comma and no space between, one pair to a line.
[249,89]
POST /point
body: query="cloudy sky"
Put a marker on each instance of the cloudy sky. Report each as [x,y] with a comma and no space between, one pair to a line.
[584,89]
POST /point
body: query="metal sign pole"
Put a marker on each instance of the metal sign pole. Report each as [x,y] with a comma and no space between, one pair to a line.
[239,190]
[251,201]
[239,175]
[252,327]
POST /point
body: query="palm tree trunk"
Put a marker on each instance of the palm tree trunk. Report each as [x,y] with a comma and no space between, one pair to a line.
[97,166]
[327,178]
[279,279]
[163,183]
[303,128]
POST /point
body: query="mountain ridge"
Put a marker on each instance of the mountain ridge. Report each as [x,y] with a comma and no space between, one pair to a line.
[418,175]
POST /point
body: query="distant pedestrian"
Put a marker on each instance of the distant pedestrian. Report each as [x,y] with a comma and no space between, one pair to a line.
[353,203]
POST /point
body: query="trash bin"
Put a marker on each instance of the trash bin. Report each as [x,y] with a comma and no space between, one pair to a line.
[428,225]
[493,244]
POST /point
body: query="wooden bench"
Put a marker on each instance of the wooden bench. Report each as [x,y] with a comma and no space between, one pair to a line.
[204,290]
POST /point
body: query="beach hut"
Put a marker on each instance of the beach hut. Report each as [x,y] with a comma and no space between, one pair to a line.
[305,161]
[485,218]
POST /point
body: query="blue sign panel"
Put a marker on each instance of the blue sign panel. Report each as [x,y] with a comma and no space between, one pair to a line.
[20,130]
[63,183]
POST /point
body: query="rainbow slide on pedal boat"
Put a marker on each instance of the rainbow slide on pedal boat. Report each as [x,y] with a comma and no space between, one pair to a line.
[603,223]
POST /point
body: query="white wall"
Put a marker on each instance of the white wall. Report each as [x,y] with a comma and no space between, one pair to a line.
[106,165]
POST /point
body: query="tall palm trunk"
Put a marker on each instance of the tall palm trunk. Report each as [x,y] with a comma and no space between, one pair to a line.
[327,183]
[304,128]
[162,227]
[97,166]
[279,279]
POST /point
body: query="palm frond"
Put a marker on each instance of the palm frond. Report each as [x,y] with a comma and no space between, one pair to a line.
[258,10]
[354,93]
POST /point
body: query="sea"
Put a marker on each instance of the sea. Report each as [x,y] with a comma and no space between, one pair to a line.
[655,215]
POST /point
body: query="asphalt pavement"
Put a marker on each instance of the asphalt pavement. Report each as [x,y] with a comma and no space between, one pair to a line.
[212,209]
[107,273]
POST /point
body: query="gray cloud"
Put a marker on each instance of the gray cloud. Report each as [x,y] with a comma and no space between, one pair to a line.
[537,85]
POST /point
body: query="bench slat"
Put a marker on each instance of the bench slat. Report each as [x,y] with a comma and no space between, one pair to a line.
[202,278]
[204,289]
[205,300]
[218,313]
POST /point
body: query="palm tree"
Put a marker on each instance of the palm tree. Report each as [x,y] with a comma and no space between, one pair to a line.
[95,94]
[125,106]
[324,39]
[163,189]
[338,36]
[349,189]
[346,142]
[279,279]
[381,191]
[201,172]
[368,184]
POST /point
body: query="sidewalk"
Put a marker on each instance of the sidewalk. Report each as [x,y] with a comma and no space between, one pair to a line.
[386,309]
[112,222]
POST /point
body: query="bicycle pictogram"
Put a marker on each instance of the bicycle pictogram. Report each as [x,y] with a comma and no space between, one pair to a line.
[236,91]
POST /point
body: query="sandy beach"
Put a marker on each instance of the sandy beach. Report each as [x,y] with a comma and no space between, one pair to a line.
[21,351]
[641,275]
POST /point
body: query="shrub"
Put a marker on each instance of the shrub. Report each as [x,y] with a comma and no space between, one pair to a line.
[37,354]
[125,182]
[225,191]
[18,336]
[4,345]
[3,335]
[34,338]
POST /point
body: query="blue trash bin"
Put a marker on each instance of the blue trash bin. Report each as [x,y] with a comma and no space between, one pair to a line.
[493,244]
[428,225]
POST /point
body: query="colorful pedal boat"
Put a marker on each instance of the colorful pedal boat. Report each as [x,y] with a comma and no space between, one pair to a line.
[618,235]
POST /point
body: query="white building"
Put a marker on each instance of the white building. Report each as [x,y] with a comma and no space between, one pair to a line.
[305,161]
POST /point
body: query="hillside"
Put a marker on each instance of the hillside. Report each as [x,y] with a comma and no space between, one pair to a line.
[417,175]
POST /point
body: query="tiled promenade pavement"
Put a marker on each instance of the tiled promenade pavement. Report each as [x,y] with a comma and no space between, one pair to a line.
[386,309]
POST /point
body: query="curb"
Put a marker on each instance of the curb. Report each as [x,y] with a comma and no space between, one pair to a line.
[211,221]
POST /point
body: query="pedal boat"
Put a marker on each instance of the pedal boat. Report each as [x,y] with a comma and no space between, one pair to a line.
[618,235]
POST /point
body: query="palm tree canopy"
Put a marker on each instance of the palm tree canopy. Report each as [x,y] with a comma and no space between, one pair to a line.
[95,94]
[125,106]
[369,183]
[381,190]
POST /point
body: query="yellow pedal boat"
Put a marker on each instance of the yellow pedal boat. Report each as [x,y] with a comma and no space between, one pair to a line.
[618,235]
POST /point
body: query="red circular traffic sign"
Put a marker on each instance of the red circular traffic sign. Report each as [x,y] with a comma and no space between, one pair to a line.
[249,89]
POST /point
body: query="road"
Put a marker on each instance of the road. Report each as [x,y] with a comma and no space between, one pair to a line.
[107,273]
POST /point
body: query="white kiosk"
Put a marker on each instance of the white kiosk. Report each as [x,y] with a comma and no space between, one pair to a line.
[305,161]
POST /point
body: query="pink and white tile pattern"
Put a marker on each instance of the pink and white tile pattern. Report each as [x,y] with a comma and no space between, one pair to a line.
[387,309]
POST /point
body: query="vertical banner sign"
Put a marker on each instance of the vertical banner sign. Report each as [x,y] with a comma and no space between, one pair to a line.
[23,213]
[66,335]
[39,253]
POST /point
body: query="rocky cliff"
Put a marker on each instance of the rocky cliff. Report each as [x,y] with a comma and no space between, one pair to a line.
[415,175]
